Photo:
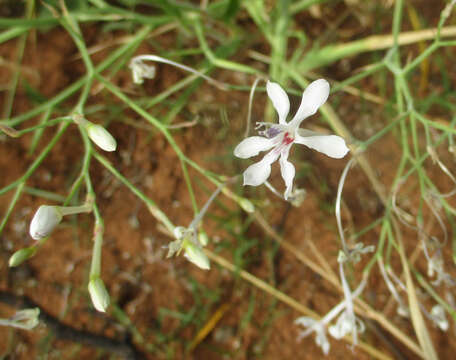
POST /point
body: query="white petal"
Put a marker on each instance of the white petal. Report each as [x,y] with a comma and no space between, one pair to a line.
[331,145]
[256,174]
[279,99]
[252,146]
[321,340]
[288,172]
[314,96]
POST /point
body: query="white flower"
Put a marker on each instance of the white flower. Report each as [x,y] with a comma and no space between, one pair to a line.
[439,318]
[318,327]
[280,137]
[44,221]
[98,294]
[100,136]
[345,324]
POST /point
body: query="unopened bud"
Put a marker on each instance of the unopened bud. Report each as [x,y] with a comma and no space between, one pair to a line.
[44,221]
[195,254]
[203,238]
[98,294]
[21,255]
[246,205]
[100,136]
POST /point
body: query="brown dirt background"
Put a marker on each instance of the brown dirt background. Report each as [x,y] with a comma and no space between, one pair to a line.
[137,276]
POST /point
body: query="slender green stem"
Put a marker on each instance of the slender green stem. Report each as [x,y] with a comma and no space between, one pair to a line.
[11,206]
[153,208]
[37,161]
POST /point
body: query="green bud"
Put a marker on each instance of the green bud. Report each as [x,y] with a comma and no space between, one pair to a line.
[22,255]
[246,205]
[100,136]
[195,254]
[98,294]
[203,238]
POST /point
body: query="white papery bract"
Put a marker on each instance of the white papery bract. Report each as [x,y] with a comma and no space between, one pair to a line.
[280,137]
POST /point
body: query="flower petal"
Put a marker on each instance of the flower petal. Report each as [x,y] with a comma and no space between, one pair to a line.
[252,146]
[256,174]
[314,96]
[331,145]
[279,99]
[288,172]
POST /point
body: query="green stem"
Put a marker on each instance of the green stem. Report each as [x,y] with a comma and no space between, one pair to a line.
[37,161]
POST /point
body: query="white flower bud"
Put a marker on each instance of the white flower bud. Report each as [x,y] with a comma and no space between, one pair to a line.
[196,255]
[21,255]
[98,294]
[44,221]
[100,136]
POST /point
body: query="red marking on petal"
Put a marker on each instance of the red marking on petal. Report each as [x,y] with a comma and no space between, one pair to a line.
[287,139]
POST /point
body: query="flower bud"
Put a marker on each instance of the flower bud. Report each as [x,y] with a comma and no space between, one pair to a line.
[44,221]
[203,238]
[246,205]
[25,319]
[195,254]
[98,294]
[100,136]
[21,255]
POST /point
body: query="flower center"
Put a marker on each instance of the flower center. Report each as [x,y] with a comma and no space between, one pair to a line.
[287,139]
